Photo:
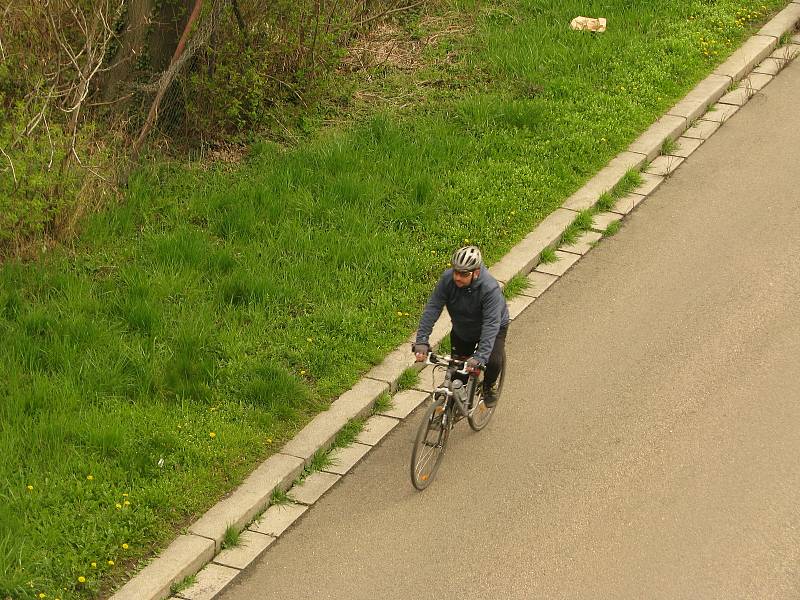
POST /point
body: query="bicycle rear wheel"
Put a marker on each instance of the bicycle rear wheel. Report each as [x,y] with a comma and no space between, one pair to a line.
[430,444]
[482,414]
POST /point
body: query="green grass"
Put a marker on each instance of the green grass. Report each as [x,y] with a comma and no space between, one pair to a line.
[279,497]
[231,537]
[183,584]
[515,286]
[612,228]
[240,303]
[547,256]
[669,146]
[407,380]
[582,223]
[628,183]
[348,434]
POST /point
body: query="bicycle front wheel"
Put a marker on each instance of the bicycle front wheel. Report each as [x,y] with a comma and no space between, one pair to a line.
[430,443]
[482,414]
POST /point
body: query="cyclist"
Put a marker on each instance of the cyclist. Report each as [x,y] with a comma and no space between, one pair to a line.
[479,315]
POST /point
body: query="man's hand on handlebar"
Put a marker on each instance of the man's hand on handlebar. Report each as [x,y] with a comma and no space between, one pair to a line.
[473,365]
[421,352]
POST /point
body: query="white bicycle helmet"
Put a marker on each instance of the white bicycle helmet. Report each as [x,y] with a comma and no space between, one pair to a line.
[467,258]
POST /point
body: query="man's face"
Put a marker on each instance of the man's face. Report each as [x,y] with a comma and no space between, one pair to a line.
[464,278]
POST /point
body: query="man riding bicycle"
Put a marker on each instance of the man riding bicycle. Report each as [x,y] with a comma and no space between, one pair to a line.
[479,315]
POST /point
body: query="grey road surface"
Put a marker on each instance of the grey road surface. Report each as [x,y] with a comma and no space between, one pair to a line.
[648,442]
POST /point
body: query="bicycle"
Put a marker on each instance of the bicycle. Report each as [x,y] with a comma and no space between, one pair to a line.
[452,401]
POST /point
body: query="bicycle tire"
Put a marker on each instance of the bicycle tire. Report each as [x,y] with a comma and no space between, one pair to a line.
[430,444]
[482,414]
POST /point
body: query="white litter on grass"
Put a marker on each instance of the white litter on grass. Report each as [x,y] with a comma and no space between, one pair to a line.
[588,24]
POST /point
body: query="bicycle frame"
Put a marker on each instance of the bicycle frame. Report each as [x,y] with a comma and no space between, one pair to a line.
[451,365]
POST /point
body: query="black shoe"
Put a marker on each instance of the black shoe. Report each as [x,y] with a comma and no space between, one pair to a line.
[490,396]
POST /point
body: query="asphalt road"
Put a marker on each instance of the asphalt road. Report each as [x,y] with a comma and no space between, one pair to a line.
[648,441]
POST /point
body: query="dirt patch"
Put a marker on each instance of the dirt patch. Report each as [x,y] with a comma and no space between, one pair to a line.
[390,45]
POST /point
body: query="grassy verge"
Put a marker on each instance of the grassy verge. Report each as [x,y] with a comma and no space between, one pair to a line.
[196,327]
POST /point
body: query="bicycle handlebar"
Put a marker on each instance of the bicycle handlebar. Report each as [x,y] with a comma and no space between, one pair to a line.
[447,360]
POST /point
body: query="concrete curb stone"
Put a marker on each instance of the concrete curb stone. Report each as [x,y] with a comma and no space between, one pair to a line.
[584,243]
[250,498]
[686,145]
[607,178]
[538,283]
[650,142]
[601,221]
[182,558]
[627,203]
[664,165]
[721,112]
[758,81]
[344,459]
[697,101]
[313,488]
[406,401]
[522,257]
[649,184]
[745,58]
[210,581]
[786,53]
[737,97]
[375,429]
[518,304]
[782,22]
[769,66]
[277,519]
[702,129]
[392,367]
[561,266]
[251,546]
[320,432]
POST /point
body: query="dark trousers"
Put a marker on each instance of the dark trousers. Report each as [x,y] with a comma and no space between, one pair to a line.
[462,347]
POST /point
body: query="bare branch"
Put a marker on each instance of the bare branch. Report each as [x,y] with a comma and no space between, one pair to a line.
[11,162]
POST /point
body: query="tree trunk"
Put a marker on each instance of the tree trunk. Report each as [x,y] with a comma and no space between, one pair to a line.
[146,43]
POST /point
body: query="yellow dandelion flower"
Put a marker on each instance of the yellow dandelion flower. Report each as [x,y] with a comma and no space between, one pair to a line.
[94,565]
[81,579]
[124,495]
[126,503]
[302,372]
[269,440]
[42,595]
[118,506]
[309,340]
[90,477]
[30,488]
[399,314]
[211,434]
[111,563]
[124,546]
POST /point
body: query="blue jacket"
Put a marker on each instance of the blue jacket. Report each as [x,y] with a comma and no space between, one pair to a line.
[477,311]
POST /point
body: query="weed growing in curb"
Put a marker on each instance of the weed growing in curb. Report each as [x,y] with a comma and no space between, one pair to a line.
[231,538]
[785,39]
[444,346]
[348,434]
[515,286]
[384,401]
[612,228]
[408,379]
[548,256]
[669,146]
[583,222]
[278,498]
[606,202]
[183,584]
